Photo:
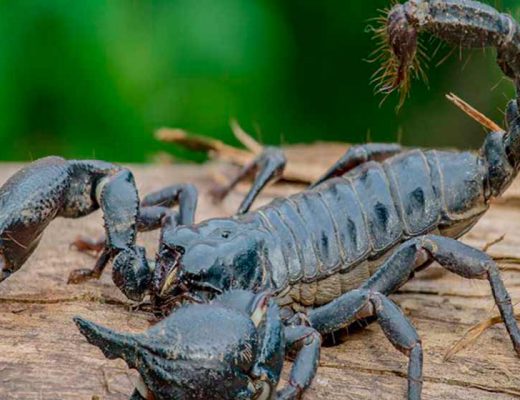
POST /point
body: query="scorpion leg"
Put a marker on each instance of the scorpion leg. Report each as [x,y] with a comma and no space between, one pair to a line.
[456,257]
[154,217]
[149,219]
[269,361]
[118,199]
[472,263]
[185,195]
[306,342]
[357,155]
[84,243]
[267,167]
[302,341]
[363,303]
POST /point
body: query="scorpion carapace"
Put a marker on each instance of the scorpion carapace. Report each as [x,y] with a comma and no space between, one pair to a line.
[463,23]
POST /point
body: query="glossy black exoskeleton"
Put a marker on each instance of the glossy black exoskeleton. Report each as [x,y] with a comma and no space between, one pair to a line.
[53,187]
[330,255]
[231,348]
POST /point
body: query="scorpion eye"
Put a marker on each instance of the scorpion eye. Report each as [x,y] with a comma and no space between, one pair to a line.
[225,234]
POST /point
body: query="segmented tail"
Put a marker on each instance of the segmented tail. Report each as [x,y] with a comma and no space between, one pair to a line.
[463,23]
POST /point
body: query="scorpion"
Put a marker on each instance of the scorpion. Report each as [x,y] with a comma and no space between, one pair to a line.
[330,255]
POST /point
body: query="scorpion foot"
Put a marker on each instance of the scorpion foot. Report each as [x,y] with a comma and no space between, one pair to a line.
[81,275]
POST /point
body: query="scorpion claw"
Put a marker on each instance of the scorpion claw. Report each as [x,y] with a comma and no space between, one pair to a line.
[112,344]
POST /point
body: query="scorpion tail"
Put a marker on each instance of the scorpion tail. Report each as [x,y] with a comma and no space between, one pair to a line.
[112,344]
[512,139]
[467,24]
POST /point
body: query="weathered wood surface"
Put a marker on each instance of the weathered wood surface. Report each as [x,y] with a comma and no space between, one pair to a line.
[42,355]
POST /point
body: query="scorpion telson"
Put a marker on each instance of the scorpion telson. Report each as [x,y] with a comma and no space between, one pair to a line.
[463,23]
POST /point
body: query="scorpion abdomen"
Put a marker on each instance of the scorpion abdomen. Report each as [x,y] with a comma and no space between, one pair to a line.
[416,189]
[326,241]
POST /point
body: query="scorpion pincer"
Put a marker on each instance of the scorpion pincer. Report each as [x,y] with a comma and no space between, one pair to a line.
[231,348]
[53,187]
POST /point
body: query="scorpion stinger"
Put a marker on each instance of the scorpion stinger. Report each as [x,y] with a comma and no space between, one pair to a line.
[467,24]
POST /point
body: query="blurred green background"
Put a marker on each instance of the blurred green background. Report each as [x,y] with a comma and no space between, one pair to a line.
[95,78]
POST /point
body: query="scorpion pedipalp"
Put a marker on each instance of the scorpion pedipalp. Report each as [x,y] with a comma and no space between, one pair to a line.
[238,339]
[114,345]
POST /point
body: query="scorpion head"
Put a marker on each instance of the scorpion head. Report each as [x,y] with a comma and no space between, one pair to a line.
[201,351]
[209,258]
[131,273]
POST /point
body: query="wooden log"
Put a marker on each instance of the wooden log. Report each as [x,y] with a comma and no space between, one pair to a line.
[42,355]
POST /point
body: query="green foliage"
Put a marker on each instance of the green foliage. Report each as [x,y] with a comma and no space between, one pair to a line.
[96,78]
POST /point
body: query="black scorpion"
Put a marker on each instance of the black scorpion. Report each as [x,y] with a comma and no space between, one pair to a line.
[332,254]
